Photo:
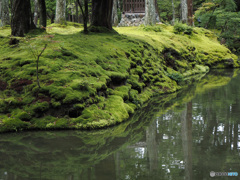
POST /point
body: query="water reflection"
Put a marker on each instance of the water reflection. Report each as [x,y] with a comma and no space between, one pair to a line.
[179,136]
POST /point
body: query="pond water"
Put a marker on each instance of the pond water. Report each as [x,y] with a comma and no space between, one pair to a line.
[184,135]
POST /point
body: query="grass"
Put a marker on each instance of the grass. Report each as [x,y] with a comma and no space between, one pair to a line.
[97,80]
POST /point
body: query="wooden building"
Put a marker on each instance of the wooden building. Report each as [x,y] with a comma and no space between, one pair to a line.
[134,6]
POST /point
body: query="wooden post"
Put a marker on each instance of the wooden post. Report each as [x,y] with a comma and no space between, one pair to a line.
[190,12]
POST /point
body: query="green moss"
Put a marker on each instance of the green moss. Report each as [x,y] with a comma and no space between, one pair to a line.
[113,111]
[117,77]
[100,78]
[24,116]
[176,77]
[134,81]
[58,124]
[41,123]
[92,113]
[57,92]
[146,95]
[79,106]
[133,97]
[40,107]
[116,106]
[138,70]
[197,70]
[122,91]
[55,103]
[152,28]
[76,96]
[182,64]
[12,124]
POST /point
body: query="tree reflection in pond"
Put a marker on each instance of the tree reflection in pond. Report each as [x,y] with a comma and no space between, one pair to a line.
[185,135]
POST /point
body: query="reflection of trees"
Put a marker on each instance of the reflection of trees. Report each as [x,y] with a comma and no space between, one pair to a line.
[217,121]
[202,142]
[152,147]
[187,139]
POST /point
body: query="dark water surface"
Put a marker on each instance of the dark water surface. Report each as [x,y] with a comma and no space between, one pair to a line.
[185,135]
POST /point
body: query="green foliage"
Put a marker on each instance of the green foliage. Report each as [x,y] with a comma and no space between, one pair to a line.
[227,5]
[166,11]
[221,15]
[230,29]
[182,28]
[51,8]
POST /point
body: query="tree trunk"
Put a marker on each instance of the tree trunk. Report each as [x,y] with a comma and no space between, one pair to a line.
[150,12]
[4,13]
[114,13]
[157,11]
[102,13]
[21,17]
[60,12]
[85,17]
[238,5]
[184,10]
[84,14]
[52,18]
[35,12]
[71,14]
[77,14]
[43,13]
[0,10]
[190,12]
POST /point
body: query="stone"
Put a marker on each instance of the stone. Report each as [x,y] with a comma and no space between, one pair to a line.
[131,19]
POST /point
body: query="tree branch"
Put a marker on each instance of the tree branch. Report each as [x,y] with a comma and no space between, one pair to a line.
[38,57]
[81,7]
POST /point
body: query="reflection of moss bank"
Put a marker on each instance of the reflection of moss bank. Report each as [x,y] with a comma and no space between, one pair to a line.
[58,153]
[97,80]
[157,106]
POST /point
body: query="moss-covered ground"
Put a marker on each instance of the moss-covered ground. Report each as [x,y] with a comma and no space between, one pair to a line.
[97,80]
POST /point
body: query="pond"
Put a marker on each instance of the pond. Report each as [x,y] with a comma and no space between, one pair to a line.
[184,135]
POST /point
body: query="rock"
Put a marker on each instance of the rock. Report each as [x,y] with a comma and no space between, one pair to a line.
[131,20]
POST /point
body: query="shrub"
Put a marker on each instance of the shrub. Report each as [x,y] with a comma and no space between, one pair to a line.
[182,28]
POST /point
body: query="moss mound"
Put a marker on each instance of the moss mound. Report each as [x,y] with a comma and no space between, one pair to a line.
[97,80]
